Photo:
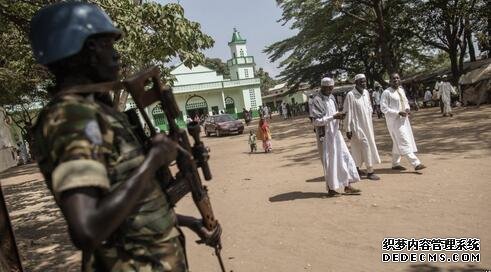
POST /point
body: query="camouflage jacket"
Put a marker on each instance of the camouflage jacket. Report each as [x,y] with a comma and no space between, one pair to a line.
[83,143]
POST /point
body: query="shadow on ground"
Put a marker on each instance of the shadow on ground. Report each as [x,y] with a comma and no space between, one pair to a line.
[40,230]
[464,134]
[432,268]
[27,169]
[297,195]
[390,171]
[318,179]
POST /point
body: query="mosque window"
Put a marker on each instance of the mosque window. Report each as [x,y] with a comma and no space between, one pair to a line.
[246,72]
[252,97]
[241,52]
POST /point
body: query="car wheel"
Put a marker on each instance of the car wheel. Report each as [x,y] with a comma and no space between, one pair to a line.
[241,131]
[207,133]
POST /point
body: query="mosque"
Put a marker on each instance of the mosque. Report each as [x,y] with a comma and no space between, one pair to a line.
[200,90]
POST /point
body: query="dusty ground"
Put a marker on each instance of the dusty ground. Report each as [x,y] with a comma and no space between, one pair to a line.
[276,217]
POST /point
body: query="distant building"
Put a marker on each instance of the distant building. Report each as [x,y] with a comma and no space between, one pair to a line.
[8,154]
[200,90]
[280,93]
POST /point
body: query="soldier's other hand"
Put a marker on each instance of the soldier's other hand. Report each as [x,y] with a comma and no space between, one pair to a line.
[163,150]
[208,237]
[403,114]
[349,134]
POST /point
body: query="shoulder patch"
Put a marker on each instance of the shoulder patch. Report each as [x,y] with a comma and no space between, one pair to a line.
[93,132]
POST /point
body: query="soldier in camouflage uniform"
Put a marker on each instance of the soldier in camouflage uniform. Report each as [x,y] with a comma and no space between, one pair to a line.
[92,161]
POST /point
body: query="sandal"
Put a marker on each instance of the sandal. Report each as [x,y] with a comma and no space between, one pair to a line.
[351,191]
[332,193]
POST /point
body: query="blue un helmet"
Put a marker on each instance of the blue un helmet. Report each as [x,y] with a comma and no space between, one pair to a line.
[59,31]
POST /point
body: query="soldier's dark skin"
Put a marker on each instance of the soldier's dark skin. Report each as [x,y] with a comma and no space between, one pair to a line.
[91,215]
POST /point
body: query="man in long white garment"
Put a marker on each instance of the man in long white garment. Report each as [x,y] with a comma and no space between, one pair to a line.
[445,90]
[395,106]
[339,167]
[359,127]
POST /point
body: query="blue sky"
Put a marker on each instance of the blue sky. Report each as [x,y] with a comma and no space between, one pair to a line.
[254,19]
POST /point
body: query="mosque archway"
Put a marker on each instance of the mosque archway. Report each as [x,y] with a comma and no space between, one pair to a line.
[196,105]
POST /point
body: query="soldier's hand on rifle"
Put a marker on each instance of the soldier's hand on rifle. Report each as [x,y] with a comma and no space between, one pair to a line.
[163,150]
[208,237]
[349,134]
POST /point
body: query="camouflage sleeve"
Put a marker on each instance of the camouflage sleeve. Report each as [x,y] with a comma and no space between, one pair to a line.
[79,140]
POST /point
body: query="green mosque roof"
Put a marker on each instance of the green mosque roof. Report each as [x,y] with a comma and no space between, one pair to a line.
[236,38]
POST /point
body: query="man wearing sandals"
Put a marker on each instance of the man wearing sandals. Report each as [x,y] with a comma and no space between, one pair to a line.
[395,106]
[359,127]
[339,167]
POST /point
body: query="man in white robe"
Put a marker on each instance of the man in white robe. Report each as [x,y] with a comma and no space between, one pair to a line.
[395,106]
[427,98]
[438,94]
[359,127]
[310,101]
[376,99]
[284,110]
[339,167]
[445,90]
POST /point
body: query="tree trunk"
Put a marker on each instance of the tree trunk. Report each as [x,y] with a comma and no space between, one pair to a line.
[468,40]
[472,50]
[488,38]
[382,38]
[454,64]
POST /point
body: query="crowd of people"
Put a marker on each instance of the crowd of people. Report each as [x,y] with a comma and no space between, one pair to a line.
[442,94]
[342,167]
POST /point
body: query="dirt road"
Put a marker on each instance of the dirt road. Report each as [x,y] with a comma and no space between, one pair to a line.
[275,214]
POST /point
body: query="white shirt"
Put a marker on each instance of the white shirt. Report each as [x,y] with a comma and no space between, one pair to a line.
[376,97]
[428,95]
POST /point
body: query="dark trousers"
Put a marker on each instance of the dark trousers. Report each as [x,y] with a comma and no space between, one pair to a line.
[377,110]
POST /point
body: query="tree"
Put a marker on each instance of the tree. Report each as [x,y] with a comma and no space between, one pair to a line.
[153,35]
[217,65]
[448,26]
[369,36]
[266,81]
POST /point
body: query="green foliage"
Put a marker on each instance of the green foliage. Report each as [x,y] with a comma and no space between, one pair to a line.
[153,35]
[267,82]
[335,36]
[375,37]
[448,26]
[217,65]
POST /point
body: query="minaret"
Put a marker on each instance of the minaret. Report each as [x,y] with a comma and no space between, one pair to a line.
[241,65]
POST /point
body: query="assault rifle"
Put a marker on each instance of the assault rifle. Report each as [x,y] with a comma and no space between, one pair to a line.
[146,89]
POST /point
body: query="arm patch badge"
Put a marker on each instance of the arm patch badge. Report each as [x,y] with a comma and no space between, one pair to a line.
[93,132]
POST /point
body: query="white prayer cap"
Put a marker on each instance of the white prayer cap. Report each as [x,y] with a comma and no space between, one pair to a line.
[327,81]
[359,76]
